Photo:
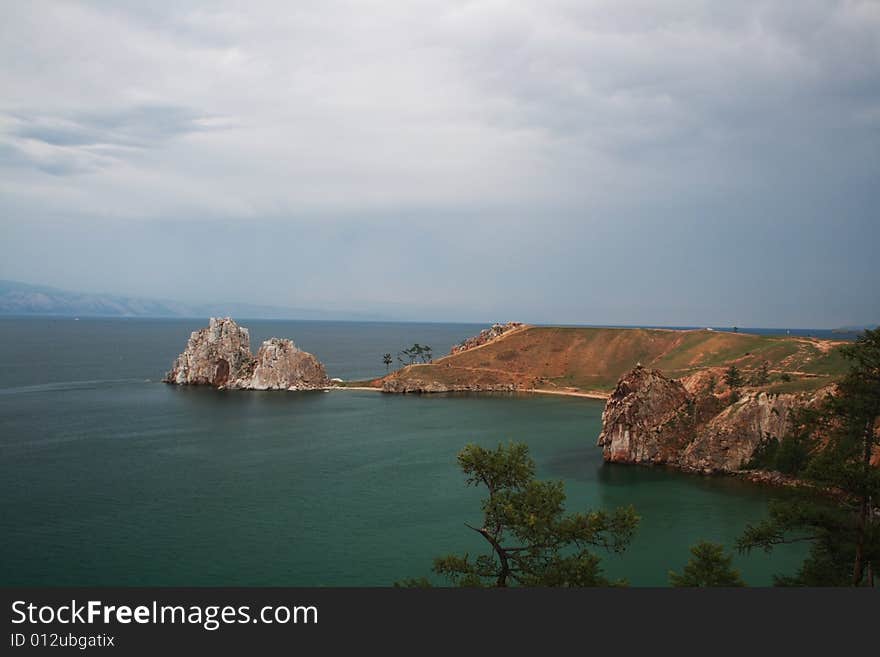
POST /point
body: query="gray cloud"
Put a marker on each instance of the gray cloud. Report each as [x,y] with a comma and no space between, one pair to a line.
[142,126]
[693,161]
[85,141]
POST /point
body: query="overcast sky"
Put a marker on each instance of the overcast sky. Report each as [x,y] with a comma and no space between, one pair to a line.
[679,163]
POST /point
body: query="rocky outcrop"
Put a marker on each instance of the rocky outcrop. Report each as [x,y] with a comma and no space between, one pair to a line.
[220,356]
[485,336]
[650,419]
[214,356]
[280,365]
[728,441]
[639,423]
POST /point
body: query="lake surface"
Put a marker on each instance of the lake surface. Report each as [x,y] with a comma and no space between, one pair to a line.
[108,477]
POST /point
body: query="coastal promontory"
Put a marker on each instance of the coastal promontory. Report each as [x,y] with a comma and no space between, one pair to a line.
[675,410]
[220,356]
[592,360]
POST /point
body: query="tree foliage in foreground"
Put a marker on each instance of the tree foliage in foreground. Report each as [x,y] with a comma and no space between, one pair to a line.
[530,539]
[834,447]
[708,566]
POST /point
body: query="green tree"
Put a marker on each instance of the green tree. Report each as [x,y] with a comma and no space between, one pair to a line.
[762,376]
[733,377]
[840,440]
[386,359]
[708,566]
[793,454]
[530,539]
[416,353]
[407,356]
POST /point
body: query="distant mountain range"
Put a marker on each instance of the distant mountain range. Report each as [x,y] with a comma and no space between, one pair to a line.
[18,298]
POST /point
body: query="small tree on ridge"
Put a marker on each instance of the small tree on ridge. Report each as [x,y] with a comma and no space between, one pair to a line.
[733,377]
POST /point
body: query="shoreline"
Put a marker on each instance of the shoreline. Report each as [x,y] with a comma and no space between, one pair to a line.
[768,478]
[372,388]
[570,393]
[533,391]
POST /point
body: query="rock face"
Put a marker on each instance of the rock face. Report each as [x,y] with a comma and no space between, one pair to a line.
[214,356]
[729,440]
[651,419]
[639,421]
[220,356]
[282,366]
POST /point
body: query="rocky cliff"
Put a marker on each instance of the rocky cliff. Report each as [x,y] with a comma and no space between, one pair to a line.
[727,441]
[651,419]
[220,356]
[640,420]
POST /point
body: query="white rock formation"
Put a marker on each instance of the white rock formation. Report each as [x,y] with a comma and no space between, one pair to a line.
[220,356]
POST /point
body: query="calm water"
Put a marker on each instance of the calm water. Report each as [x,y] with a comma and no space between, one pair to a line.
[109,477]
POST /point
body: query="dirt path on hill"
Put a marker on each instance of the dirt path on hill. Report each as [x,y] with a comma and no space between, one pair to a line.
[518,329]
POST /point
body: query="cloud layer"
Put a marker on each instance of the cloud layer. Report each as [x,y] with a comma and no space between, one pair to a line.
[639,162]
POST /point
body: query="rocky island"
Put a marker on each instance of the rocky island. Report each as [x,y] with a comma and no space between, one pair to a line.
[220,356]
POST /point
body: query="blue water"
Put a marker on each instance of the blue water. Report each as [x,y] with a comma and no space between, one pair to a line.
[108,477]
[825,334]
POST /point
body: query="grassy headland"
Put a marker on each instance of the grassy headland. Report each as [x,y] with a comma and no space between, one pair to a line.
[592,360]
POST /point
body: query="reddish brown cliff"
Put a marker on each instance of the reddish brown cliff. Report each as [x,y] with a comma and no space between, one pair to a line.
[651,419]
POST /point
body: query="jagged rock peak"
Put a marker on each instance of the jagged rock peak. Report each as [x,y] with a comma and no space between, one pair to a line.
[214,356]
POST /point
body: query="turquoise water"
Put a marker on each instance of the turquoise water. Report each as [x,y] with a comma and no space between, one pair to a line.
[108,477]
